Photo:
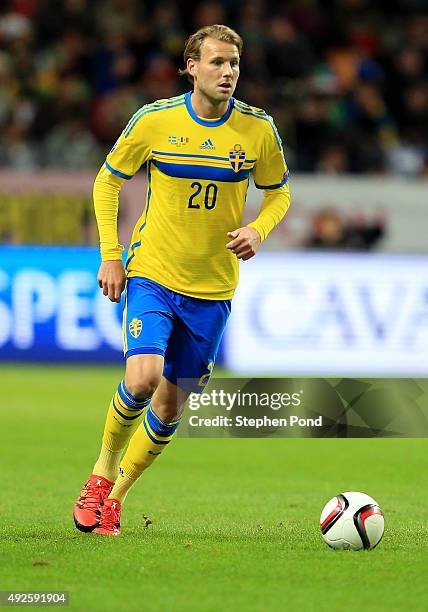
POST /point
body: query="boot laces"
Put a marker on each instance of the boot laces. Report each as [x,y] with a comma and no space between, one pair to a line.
[93,494]
[110,518]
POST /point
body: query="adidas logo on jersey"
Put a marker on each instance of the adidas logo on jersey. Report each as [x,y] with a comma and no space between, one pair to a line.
[207,144]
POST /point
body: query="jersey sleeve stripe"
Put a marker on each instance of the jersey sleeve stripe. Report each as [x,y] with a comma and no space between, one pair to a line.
[117,172]
[285,180]
[165,103]
[250,112]
[258,111]
[189,171]
[158,105]
[264,117]
[145,111]
[275,131]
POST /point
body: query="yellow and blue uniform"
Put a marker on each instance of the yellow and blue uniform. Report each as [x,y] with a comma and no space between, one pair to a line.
[198,175]
[185,330]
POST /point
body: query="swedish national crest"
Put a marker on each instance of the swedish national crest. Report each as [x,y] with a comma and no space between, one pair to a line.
[135,327]
[237,157]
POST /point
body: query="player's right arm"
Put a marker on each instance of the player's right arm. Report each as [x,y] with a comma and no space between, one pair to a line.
[129,153]
[111,275]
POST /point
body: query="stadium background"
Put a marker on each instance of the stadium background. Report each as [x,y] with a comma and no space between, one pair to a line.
[346,82]
[340,288]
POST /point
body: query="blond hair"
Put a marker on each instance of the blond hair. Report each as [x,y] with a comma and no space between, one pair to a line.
[192,50]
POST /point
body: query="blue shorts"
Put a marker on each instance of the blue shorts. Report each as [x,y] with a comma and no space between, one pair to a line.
[185,330]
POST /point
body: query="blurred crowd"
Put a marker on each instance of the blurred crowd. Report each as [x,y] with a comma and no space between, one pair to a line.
[346,80]
[331,230]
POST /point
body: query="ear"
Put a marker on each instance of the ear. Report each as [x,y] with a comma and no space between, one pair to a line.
[191,67]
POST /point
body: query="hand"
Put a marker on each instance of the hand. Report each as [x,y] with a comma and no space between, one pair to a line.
[111,279]
[246,241]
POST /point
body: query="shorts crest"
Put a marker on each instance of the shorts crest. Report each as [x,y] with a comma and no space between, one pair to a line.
[135,327]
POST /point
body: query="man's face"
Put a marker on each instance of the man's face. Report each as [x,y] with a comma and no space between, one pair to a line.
[217,72]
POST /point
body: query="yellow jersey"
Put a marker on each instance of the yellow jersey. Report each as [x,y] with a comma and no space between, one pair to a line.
[198,175]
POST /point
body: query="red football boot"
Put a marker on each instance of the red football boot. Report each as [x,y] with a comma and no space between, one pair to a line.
[109,523]
[86,510]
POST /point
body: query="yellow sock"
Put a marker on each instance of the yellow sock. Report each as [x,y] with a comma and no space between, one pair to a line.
[107,464]
[123,417]
[121,486]
[147,443]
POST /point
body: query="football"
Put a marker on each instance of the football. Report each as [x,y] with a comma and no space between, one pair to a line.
[352,521]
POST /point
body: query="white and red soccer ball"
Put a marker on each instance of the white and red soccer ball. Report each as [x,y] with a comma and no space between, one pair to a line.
[352,521]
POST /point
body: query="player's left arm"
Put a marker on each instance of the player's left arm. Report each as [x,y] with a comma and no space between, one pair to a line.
[246,240]
[271,175]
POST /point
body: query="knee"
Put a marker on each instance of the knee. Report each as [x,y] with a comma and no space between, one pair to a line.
[143,386]
[143,374]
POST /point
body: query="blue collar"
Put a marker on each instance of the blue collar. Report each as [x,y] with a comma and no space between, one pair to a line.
[204,122]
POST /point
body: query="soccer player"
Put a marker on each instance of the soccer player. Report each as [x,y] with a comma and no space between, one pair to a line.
[182,267]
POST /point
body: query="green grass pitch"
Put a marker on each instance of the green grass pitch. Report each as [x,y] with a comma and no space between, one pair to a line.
[234,521]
